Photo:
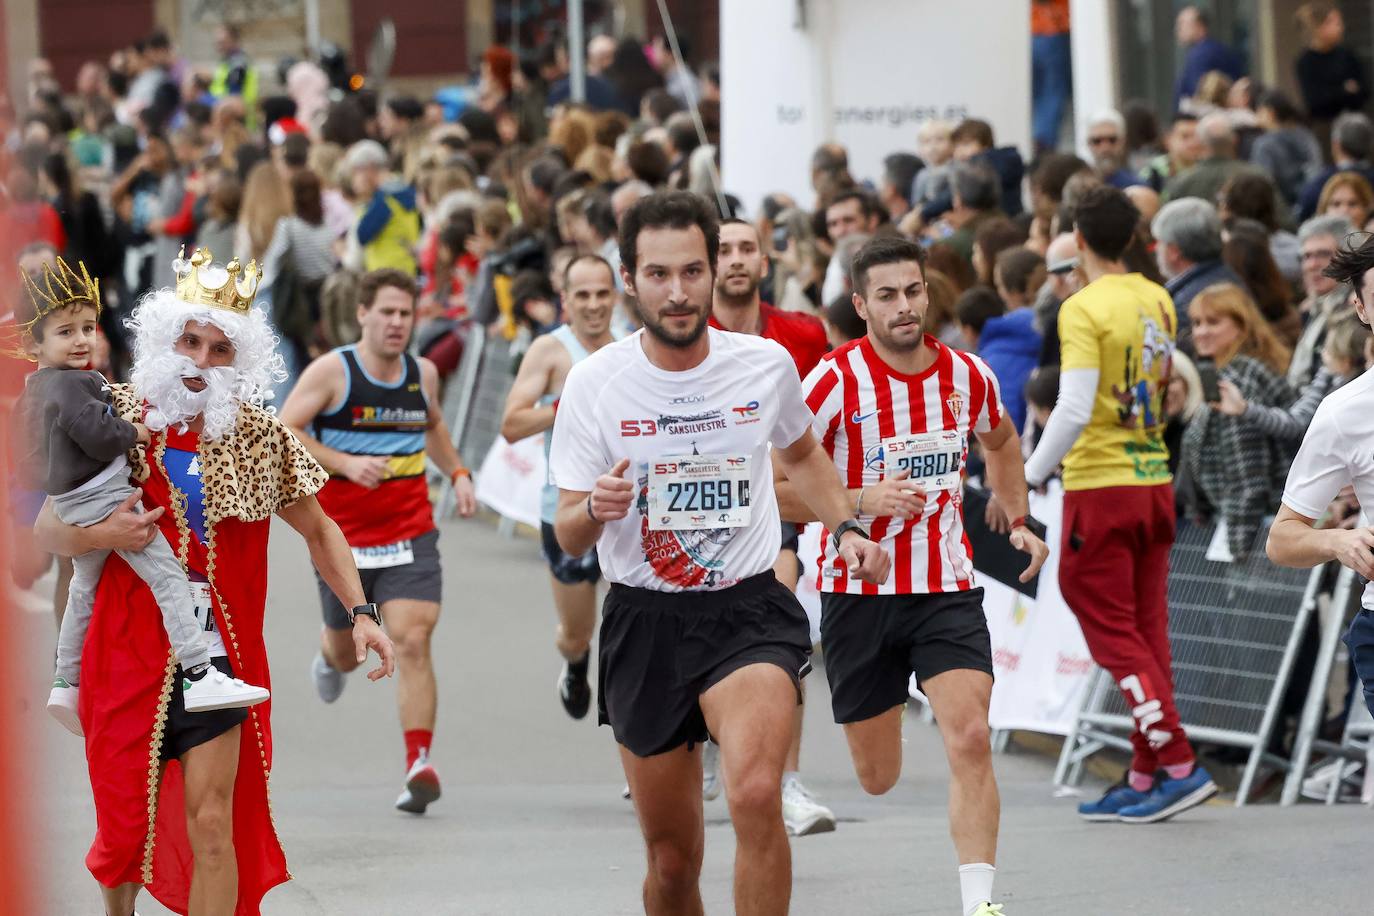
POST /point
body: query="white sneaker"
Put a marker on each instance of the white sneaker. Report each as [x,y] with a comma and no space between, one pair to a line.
[422,786]
[62,705]
[329,681]
[802,814]
[625,792]
[1316,786]
[710,771]
[216,690]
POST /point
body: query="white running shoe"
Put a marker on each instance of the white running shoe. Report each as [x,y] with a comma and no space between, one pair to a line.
[801,813]
[710,771]
[62,705]
[329,681]
[625,792]
[216,690]
[422,786]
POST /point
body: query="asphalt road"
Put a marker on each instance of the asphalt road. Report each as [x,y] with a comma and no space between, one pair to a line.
[532,821]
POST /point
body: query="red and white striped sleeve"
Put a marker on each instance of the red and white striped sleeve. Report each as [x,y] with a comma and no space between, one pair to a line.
[986,411]
[824,392]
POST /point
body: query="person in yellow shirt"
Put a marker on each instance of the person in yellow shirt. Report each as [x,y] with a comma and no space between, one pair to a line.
[1117,341]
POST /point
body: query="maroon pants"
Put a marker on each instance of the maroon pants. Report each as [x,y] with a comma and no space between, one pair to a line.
[1113,573]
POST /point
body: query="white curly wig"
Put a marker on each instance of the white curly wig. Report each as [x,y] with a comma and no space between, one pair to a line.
[160,319]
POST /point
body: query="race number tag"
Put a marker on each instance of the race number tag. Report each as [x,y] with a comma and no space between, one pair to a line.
[934,459]
[200,597]
[384,555]
[699,491]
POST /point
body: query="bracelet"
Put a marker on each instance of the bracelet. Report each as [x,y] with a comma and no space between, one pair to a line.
[555,406]
[590,514]
[859,503]
[461,472]
[1018,522]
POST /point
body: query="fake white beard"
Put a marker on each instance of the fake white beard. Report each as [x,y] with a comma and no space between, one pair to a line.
[159,380]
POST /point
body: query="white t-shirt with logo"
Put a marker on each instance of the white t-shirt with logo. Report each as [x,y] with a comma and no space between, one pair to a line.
[699,524]
[1337,451]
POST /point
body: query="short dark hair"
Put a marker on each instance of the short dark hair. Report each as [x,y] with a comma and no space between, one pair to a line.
[406,106]
[976,186]
[1107,219]
[973,130]
[599,214]
[1351,263]
[1042,388]
[900,171]
[661,104]
[1250,195]
[1285,110]
[975,306]
[648,162]
[682,133]
[578,259]
[668,210]
[1054,171]
[295,150]
[375,280]
[544,173]
[736,221]
[841,315]
[528,286]
[867,206]
[883,249]
[1017,266]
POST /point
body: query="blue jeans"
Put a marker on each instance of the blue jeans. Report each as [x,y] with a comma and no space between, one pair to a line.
[1051,87]
[1360,641]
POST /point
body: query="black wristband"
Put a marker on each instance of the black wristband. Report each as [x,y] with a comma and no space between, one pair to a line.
[590,514]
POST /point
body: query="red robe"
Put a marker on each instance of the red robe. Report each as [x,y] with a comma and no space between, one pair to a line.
[127,663]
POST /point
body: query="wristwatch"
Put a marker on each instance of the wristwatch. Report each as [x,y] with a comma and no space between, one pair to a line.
[364,610]
[846,526]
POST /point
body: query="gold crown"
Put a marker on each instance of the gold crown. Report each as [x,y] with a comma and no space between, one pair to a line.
[220,287]
[61,287]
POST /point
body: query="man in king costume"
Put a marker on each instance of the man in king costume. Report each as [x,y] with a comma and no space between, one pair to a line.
[182,800]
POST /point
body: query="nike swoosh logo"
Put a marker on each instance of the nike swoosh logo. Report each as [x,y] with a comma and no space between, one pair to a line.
[856,418]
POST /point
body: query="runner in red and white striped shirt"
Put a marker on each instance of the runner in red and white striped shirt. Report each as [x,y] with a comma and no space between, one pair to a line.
[955,397]
[895,411]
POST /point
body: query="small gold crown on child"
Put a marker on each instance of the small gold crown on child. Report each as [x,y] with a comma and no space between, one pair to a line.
[199,282]
[60,286]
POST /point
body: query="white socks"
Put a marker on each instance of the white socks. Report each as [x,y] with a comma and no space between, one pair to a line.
[975,885]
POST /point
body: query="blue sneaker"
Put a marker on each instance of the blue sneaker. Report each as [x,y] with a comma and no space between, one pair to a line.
[1170,797]
[1112,801]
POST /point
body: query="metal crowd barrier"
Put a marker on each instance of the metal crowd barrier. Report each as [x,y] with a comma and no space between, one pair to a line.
[1234,632]
[474,399]
[1344,600]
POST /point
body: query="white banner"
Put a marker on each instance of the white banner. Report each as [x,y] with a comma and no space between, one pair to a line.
[866,74]
[512,477]
[1042,664]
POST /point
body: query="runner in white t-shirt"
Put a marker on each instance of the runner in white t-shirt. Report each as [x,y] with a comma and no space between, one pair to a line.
[1337,452]
[661,455]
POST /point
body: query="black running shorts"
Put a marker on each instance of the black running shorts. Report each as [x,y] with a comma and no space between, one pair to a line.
[185,730]
[874,643]
[566,569]
[660,651]
[420,580]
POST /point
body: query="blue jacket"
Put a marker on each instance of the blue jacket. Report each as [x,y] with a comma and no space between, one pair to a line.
[1123,179]
[1203,57]
[1010,345]
[1006,161]
[1187,285]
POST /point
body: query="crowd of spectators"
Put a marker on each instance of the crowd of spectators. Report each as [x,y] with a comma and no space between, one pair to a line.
[1243,193]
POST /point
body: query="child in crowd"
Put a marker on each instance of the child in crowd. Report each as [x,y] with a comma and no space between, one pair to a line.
[75,450]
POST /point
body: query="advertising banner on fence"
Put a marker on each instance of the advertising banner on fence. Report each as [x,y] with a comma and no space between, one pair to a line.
[511,479]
